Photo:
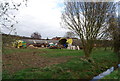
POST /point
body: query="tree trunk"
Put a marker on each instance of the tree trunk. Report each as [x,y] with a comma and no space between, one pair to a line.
[116,43]
[87,51]
[105,49]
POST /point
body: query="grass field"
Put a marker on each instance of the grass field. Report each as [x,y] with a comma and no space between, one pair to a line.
[55,63]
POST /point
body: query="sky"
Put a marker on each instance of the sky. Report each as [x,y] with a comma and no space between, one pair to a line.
[42,16]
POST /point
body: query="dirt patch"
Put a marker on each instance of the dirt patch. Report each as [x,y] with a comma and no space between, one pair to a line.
[18,61]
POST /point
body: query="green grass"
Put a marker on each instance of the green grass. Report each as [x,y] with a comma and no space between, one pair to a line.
[45,52]
[75,68]
[72,69]
[114,75]
[61,52]
[104,57]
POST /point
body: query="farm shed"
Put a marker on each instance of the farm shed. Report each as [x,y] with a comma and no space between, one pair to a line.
[39,43]
[31,41]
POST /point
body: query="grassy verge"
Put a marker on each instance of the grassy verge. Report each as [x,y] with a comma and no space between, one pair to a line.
[75,68]
[113,76]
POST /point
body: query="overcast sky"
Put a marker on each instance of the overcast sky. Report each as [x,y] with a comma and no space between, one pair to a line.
[41,16]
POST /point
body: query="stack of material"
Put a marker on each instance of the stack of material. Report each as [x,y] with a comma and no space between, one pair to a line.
[78,48]
[74,44]
[73,47]
[69,46]
[19,44]
[31,46]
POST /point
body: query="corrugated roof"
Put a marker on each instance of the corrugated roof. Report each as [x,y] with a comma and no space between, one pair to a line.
[40,41]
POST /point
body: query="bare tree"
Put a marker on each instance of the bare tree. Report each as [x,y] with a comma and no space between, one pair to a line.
[116,34]
[7,13]
[36,35]
[118,40]
[113,30]
[70,34]
[87,20]
[8,18]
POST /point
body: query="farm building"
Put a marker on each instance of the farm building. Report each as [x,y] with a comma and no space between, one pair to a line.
[45,43]
[32,41]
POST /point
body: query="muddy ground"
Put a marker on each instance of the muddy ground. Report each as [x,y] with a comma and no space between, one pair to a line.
[18,61]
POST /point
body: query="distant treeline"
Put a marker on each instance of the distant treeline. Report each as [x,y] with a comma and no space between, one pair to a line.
[16,36]
[8,39]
